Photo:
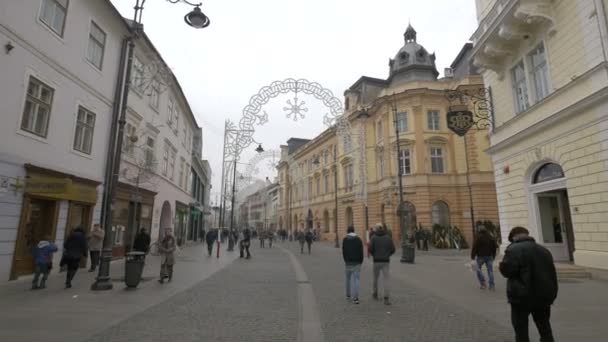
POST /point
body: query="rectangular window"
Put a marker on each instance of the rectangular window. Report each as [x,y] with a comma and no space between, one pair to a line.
[137,75]
[37,111]
[405,162]
[53,14]
[318,180]
[379,131]
[166,160]
[309,195]
[539,71]
[348,177]
[327,184]
[172,165]
[401,122]
[154,93]
[176,122]
[170,112]
[433,120]
[85,126]
[381,166]
[437,160]
[150,153]
[128,144]
[185,137]
[97,44]
[520,87]
[182,165]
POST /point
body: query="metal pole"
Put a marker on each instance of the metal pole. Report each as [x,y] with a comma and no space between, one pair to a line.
[466,154]
[337,241]
[230,240]
[223,190]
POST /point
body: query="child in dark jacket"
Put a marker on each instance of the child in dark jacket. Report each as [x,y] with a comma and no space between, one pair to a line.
[43,259]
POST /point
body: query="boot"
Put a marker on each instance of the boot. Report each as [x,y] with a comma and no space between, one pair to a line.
[386,301]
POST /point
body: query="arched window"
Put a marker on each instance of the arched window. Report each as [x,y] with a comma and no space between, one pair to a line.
[548,172]
[440,214]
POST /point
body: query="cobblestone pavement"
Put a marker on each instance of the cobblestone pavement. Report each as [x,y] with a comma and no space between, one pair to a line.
[416,314]
[251,300]
[261,300]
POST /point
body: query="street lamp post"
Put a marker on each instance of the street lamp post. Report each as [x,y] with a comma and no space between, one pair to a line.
[336,241]
[407,252]
[195,19]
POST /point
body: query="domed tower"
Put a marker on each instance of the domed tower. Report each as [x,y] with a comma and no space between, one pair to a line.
[412,62]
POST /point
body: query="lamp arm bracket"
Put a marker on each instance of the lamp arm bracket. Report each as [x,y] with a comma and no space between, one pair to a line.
[186,1]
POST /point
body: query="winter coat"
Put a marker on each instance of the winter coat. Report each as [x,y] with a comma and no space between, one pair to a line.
[484,246]
[167,250]
[75,247]
[352,249]
[301,237]
[211,237]
[43,252]
[309,237]
[96,239]
[381,247]
[529,268]
[142,242]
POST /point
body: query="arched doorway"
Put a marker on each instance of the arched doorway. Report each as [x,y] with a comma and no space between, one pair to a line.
[349,217]
[165,219]
[551,210]
[326,221]
[440,214]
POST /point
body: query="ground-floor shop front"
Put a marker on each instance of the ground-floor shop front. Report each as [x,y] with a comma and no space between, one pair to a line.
[53,204]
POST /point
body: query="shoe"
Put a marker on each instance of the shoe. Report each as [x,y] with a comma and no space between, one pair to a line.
[68,286]
[356,301]
[386,301]
[161,280]
[375,295]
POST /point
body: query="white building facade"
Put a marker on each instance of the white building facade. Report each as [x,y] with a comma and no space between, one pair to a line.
[59,67]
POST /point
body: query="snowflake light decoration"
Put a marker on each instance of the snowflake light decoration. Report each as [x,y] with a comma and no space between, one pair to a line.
[296,109]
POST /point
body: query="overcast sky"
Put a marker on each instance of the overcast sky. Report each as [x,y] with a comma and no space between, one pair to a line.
[251,43]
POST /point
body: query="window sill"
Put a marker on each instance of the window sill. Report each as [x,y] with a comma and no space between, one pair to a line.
[32,136]
[93,66]
[81,154]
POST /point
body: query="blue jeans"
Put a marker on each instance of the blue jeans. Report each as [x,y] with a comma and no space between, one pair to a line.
[485,260]
[353,273]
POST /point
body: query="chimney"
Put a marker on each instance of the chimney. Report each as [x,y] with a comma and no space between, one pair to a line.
[448,73]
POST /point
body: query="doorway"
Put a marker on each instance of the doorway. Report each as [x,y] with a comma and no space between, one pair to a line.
[551,208]
[38,222]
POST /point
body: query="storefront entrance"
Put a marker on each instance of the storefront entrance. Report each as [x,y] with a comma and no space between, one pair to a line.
[38,217]
[549,199]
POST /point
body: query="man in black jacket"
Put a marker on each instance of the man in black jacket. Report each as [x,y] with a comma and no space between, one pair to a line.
[142,241]
[484,252]
[531,285]
[352,252]
[381,247]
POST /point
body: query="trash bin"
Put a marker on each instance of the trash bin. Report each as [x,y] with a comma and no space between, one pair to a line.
[409,253]
[134,267]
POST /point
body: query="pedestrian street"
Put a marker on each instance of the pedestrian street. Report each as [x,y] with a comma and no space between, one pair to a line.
[266,299]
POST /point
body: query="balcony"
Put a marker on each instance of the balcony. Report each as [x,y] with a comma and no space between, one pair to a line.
[506,25]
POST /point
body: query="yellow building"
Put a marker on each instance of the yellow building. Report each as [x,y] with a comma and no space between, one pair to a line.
[366,162]
[546,61]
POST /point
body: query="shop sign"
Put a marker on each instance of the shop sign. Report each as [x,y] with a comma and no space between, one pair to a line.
[47,186]
[460,121]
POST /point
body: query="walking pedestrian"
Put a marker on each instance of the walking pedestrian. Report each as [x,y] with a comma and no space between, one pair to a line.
[369,239]
[142,241]
[418,236]
[95,244]
[74,248]
[210,238]
[483,252]
[270,238]
[245,243]
[426,236]
[381,248]
[262,236]
[301,237]
[352,252]
[531,284]
[309,239]
[167,252]
[43,258]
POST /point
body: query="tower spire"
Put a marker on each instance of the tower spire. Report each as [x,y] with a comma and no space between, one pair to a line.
[410,34]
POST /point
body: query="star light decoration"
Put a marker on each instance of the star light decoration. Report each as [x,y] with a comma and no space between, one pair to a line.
[295,110]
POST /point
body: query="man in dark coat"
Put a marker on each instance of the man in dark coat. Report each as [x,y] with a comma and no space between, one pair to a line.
[381,248]
[142,241]
[245,243]
[531,285]
[74,248]
[210,238]
[484,252]
[309,237]
[352,252]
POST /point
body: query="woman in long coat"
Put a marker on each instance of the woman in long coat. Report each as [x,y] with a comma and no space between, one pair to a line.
[167,248]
